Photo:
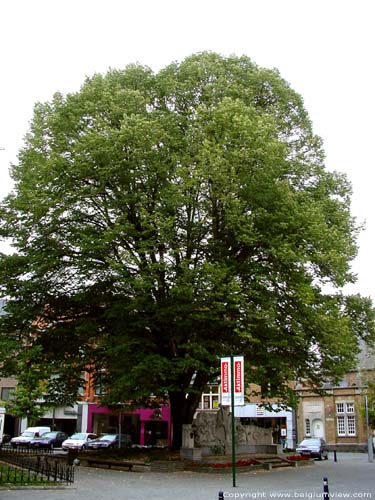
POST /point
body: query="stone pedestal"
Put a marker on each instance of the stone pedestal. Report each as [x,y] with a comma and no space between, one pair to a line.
[188,451]
[187,436]
[192,454]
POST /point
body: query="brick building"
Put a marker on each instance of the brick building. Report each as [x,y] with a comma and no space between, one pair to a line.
[338,416]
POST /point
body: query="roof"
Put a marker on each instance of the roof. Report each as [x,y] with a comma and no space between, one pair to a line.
[366,357]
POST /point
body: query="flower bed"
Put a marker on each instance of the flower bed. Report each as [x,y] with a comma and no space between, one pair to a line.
[223,465]
[297,458]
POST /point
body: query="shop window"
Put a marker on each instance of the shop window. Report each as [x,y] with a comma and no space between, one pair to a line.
[345,413]
[156,433]
[263,423]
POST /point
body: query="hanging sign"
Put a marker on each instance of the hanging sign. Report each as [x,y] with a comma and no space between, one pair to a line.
[238,381]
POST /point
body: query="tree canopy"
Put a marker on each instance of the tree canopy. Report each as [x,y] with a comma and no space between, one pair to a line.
[163,220]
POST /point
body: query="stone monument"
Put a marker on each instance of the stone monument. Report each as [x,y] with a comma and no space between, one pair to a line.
[212,433]
[188,450]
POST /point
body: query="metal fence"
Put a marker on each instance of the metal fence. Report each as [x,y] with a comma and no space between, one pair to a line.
[33,466]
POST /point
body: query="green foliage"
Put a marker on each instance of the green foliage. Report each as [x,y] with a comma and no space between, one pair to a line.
[368,378]
[10,475]
[27,397]
[161,221]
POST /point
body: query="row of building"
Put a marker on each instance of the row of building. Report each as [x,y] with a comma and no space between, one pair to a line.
[338,415]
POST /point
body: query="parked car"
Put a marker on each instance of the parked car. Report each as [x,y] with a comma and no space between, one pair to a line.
[78,441]
[313,447]
[109,441]
[49,440]
[28,435]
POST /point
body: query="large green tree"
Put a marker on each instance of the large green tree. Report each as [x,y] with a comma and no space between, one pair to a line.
[162,220]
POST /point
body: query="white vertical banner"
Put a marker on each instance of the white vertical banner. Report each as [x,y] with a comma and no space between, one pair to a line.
[239,389]
[238,380]
[225,382]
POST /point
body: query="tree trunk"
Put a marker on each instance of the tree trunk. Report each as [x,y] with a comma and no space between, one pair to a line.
[177,402]
[183,406]
[182,412]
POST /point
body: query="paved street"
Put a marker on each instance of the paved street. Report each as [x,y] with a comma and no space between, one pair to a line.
[352,476]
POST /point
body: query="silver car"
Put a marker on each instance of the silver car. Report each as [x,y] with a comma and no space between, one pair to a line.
[313,447]
[78,441]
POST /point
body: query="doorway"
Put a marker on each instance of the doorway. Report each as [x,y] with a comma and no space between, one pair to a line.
[318,428]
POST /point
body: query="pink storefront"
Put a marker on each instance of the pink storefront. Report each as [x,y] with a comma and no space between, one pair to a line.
[144,425]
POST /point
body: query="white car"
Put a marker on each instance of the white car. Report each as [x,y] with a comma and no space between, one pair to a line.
[78,441]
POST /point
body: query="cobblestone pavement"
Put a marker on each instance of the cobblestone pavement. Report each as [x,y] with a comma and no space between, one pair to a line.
[352,476]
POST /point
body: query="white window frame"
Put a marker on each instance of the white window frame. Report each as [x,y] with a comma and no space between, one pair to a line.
[340,408]
[212,396]
[345,418]
[341,427]
[350,408]
[350,422]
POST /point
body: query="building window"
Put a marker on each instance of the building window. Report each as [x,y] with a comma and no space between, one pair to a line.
[341,429]
[7,393]
[307,427]
[210,398]
[350,408]
[99,387]
[345,419]
[351,425]
[340,408]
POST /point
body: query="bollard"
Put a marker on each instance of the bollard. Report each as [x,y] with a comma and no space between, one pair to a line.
[325,489]
[335,455]
[221,495]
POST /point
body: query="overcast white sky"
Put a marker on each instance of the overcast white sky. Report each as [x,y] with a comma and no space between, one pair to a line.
[323,48]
